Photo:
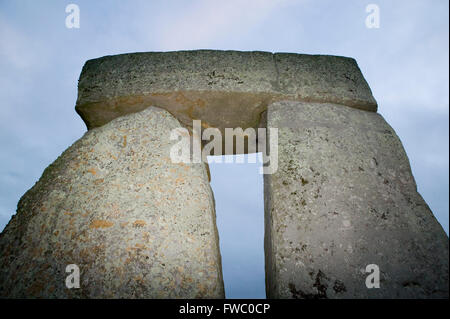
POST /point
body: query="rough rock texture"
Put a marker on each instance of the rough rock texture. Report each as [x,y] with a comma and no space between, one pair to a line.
[222,88]
[344,197]
[140,226]
[137,225]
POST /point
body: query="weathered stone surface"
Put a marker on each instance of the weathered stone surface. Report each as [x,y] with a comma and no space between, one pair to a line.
[343,198]
[323,78]
[140,226]
[222,88]
[136,224]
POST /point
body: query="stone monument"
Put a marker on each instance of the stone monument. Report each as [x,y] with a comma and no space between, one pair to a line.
[138,225]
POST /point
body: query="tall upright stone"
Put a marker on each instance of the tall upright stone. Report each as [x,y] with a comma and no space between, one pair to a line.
[344,198]
[136,224]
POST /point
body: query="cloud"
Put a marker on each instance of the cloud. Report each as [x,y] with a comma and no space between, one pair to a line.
[19,50]
[206,22]
[13,47]
[413,48]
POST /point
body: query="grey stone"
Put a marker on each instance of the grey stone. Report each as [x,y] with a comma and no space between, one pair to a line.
[343,198]
[140,226]
[222,88]
[136,224]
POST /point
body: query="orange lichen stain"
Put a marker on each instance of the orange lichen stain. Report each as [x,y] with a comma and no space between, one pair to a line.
[139,279]
[172,284]
[85,254]
[98,223]
[92,171]
[56,233]
[124,224]
[201,103]
[97,249]
[205,125]
[201,291]
[179,180]
[115,210]
[189,111]
[68,213]
[114,157]
[43,209]
[183,132]
[125,141]
[180,98]
[184,166]
[98,181]
[139,223]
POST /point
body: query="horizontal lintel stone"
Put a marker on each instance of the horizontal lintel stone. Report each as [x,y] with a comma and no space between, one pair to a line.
[221,88]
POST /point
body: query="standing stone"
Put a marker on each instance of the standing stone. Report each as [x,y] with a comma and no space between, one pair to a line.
[136,224]
[344,198]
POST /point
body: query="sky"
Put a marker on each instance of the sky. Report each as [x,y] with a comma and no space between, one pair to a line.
[405,61]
